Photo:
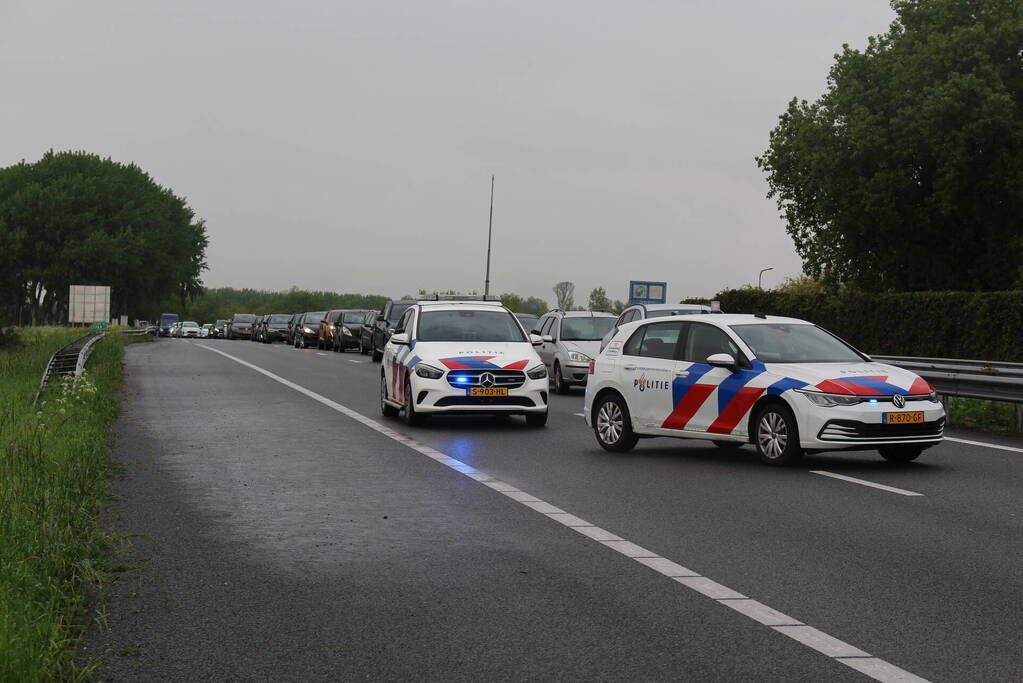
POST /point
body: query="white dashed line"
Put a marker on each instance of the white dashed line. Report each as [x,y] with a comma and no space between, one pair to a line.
[864,482]
[352,360]
[808,636]
[320,354]
[581,414]
[985,445]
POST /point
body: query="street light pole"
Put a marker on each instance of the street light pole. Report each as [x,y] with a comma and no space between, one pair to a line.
[760,278]
[490,232]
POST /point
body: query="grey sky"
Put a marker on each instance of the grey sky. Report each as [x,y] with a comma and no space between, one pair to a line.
[349,145]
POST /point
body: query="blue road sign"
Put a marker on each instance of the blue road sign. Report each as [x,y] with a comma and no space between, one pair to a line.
[643,292]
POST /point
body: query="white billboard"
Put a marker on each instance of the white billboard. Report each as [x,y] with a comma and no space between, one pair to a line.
[89,304]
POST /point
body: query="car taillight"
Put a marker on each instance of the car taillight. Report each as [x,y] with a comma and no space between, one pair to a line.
[590,368]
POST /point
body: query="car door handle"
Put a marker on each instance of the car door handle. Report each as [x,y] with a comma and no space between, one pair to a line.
[682,373]
[629,367]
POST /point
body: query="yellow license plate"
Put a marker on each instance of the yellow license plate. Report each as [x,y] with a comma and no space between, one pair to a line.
[488,391]
[913,418]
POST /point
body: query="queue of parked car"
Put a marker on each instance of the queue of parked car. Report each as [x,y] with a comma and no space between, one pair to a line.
[783,385]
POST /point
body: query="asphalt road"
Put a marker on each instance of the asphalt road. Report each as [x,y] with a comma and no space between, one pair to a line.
[284,530]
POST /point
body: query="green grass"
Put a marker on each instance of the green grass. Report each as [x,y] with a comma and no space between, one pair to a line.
[54,466]
[987,416]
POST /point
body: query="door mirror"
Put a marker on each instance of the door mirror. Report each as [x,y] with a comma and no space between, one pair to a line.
[547,338]
[400,338]
[535,339]
[722,360]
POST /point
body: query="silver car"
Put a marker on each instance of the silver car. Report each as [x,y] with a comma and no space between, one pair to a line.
[644,311]
[571,339]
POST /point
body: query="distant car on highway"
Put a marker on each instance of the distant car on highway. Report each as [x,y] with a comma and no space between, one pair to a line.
[219,328]
[571,339]
[383,326]
[189,329]
[292,321]
[468,356]
[175,329]
[307,329]
[348,329]
[205,330]
[275,328]
[165,323]
[366,333]
[240,326]
[782,384]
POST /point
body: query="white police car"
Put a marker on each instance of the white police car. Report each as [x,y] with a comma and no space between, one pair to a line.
[783,384]
[462,356]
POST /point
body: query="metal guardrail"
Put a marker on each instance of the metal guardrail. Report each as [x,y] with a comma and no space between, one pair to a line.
[988,380]
[68,360]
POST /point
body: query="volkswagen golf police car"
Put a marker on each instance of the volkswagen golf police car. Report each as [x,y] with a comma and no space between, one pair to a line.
[462,356]
[783,384]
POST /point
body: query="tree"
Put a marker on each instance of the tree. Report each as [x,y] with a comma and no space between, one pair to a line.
[618,306]
[565,293]
[800,285]
[907,174]
[74,218]
[599,300]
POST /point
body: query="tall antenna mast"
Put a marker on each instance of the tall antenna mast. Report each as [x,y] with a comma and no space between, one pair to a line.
[490,232]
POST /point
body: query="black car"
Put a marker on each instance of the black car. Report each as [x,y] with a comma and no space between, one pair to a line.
[306,330]
[219,329]
[275,328]
[240,326]
[292,322]
[383,326]
[366,334]
[348,329]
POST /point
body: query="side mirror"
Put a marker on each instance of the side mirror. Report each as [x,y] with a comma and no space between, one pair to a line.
[722,360]
[400,338]
[546,338]
[535,339]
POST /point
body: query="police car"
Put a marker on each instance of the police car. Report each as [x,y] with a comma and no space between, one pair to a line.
[784,385]
[462,356]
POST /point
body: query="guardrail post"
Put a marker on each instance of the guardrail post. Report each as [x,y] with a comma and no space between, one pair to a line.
[1019,417]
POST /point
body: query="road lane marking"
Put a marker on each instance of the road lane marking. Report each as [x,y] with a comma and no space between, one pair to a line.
[810,637]
[581,414]
[864,482]
[985,445]
[352,360]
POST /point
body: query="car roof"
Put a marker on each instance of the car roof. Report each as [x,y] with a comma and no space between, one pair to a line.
[581,314]
[673,307]
[461,305]
[724,320]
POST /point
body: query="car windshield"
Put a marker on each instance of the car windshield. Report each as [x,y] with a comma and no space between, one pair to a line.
[396,311]
[189,323]
[787,343]
[315,316]
[244,318]
[671,311]
[283,318]
[353,316]
[586,329]
[483,326]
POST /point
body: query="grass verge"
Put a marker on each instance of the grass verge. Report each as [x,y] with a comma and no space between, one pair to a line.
[985,416]
[54,466]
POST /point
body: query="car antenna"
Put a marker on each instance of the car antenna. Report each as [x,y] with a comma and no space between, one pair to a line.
[762,316]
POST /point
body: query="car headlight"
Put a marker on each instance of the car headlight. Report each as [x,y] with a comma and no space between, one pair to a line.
[933,396]
[577,357]
[819,398]
[307,330]
[539,372]
[428,371]
[345,330]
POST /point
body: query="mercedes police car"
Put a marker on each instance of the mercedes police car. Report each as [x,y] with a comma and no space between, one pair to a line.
[783,384]
[462,356]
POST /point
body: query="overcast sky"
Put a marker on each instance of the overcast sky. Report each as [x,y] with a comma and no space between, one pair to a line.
[349,145]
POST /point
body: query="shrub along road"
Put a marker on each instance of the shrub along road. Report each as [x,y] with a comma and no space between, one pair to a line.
[281,538]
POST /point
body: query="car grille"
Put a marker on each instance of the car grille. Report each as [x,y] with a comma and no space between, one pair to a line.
[523,401]
[851,430]
[511,379]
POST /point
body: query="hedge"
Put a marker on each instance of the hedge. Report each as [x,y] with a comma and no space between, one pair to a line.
[973,325]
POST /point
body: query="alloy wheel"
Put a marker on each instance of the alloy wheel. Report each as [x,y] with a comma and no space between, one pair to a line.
[610,422]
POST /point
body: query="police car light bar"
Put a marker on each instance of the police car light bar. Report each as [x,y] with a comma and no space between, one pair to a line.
[457,297]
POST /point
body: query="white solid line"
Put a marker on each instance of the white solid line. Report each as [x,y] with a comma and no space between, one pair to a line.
[864,482]
[809,637]
[985,445]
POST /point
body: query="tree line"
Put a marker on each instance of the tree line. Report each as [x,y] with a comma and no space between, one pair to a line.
[72,218]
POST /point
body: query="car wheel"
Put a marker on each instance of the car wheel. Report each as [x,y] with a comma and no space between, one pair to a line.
[900,453]
[612,424]
[559,382]
[377,355]
[385,408]
[776,436]
[536,419]
[728,445]
[412,418]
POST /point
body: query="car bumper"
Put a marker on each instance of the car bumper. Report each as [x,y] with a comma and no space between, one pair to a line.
[438,396]
[574,372]
[864,425]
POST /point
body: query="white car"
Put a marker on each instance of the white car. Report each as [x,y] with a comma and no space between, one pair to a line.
[206,330]
[189,329]
[783,384]
[469,356]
